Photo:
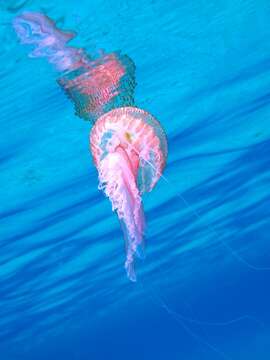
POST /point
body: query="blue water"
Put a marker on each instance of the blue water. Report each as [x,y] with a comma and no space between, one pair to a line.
[203,69]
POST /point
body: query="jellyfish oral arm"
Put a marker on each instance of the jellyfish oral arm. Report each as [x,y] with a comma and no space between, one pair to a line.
[118,181]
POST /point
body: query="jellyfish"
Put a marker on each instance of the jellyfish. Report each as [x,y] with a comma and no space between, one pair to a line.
[128,145]
[129,150]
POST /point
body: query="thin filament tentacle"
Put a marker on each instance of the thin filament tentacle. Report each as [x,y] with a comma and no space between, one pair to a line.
[234,253]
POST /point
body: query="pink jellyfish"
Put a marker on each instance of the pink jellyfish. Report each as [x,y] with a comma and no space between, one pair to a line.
[129,149]
[128,145]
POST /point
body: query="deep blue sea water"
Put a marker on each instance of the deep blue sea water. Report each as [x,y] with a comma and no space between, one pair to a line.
[203,69]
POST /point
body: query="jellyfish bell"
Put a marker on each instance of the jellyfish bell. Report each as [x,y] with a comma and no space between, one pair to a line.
[129,150]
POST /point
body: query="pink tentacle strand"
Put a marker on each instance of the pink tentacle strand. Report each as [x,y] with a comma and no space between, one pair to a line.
[118,181]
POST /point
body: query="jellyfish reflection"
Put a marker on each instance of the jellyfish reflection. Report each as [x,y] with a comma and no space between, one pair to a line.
[94,85]
[128,145]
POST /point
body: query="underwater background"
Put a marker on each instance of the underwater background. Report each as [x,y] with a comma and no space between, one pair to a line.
[203,70]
